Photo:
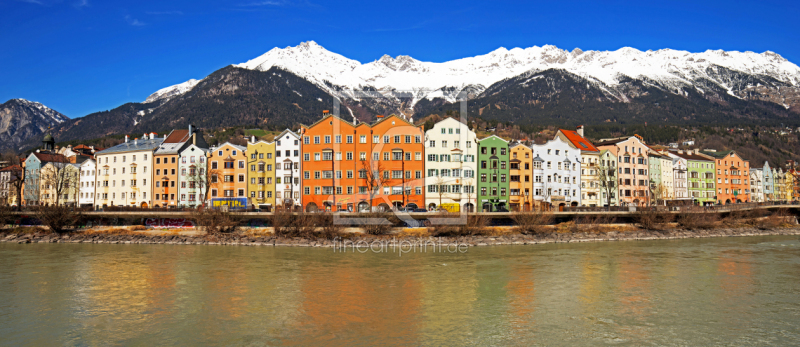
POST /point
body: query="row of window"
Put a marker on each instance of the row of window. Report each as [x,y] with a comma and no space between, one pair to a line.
[114,158]
[444,143]
[363,139]
[131,196]
[122,183]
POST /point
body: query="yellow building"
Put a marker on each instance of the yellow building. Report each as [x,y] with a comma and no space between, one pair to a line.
[261,174]
[520,178]
[59,184]
[788,184]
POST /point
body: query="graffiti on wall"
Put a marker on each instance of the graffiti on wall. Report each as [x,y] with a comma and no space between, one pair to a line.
[161,223]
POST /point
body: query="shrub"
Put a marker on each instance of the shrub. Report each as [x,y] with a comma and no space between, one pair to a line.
[215,221]
[330,229]
[375,223]
[58,218]
[652,220]
[777,219]
[532,222]
[6,216]
[697,220]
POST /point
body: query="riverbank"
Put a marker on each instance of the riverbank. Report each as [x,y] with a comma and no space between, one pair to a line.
[256,238]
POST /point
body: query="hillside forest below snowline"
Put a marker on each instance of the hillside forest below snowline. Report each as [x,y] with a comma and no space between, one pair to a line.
[754,143]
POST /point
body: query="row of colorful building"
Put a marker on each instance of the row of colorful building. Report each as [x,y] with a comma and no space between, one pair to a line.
[335,164]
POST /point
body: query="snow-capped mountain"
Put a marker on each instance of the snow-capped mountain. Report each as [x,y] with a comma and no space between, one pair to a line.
[671,70]
[171,91]
[21,119]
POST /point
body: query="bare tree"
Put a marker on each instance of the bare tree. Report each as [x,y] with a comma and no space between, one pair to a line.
[608,181]
[17,181]
[373,177]
[440,181]
[657,192]
[470,189]
[199,177]
[59,179]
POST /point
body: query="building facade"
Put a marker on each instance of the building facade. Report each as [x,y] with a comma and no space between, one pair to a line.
[633,178]
[607,178]
[769,189]
[362,167]
[193,179]
[521,177]
[261,174]
[701,180]
[590,159]
[557,175]
[228,176]
[450,166]
[88,181]
[493,171]
[757,185]
[59,184]
[288,170]
[733,176]
[125,174]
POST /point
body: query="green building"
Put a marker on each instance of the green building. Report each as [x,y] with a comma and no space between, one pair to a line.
[493,174]
[700,176]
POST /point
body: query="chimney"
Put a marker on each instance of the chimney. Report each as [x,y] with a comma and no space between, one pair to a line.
[680,151]
[126,138]
[252,139]
[153,136]
[190,129]
[579,129]
[325,112]
[136,141]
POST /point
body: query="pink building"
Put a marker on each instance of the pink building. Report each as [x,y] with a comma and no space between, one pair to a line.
[633,180]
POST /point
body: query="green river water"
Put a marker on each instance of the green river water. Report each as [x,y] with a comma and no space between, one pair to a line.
[694,292]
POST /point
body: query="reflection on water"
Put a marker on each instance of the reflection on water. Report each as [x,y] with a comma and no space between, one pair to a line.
[683,292]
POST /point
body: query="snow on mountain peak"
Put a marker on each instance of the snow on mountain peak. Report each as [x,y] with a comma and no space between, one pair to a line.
[320,66]
[172,91]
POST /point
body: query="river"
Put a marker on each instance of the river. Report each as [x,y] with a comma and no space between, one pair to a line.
[720,291]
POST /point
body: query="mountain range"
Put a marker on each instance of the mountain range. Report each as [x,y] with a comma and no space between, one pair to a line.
[537,85]
[21,120]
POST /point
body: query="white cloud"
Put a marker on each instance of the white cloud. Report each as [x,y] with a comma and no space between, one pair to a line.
[133,21]
[82,3]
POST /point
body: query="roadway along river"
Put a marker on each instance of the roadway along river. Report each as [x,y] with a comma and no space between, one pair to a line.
[697,292]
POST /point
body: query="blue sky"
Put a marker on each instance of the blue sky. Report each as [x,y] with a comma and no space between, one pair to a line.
[83,56]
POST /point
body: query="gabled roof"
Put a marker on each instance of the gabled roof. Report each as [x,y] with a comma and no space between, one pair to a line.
[48,157]
[578,141]
[232,145]
[495,136]
[10,168]
[178,136]
[287,131]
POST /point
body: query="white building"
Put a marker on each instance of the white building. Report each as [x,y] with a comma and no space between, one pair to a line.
[125,173]
[680,181]
[590,159]
[87,183]
[757,185]
[557,174]
[288,169]
[450,150]
[192,181]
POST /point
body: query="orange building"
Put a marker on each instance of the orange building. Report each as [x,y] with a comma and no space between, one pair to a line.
[733,176]
[349,165]
[228,175]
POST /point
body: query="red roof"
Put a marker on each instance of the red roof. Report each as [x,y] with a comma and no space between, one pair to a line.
[177,136]
[579,141]
[47,157]
[12,167]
